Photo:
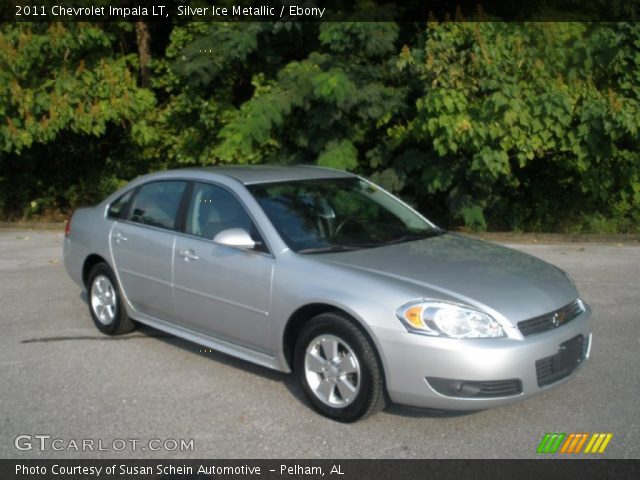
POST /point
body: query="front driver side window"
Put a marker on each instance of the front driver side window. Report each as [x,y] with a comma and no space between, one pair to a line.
[214,209]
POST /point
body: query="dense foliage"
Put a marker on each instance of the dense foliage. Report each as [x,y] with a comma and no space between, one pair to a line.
[489,125]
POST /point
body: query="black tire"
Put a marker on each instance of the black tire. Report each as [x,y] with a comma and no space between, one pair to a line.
[118,323]
[370,397]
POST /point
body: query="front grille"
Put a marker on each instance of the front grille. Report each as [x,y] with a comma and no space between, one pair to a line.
[474,389]
[562,364]
[551,320]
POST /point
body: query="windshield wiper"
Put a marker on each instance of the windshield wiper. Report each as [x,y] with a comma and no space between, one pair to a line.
[359,246]
[334,248]
[415,236]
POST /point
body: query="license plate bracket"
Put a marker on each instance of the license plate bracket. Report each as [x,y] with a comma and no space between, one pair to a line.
[562,364]
[569,356]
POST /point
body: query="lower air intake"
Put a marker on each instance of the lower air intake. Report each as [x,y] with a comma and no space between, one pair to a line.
[475,389]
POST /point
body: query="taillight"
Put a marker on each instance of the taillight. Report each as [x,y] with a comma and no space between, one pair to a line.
[67,227]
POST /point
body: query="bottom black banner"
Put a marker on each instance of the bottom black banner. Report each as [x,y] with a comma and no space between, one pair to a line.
[316,469]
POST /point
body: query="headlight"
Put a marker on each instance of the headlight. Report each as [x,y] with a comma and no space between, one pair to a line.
[445,319]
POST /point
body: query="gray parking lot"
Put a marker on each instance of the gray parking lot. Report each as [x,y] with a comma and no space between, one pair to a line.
[60,377]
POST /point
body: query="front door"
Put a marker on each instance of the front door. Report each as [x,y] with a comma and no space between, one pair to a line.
[222,291]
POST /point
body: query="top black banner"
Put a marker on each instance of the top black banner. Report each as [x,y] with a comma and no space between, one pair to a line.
[176,11]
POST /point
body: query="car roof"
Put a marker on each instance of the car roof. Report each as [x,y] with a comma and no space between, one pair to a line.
[252,174]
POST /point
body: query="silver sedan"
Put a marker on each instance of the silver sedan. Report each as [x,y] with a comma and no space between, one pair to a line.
[324,274]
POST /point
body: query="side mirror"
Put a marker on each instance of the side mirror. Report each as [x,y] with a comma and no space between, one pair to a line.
[235,237]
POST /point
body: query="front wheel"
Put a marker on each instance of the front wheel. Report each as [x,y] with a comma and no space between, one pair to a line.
[338,369]
[105,302]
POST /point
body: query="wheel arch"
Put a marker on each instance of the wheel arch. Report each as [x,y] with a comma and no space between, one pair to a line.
[90,262]
[304,314]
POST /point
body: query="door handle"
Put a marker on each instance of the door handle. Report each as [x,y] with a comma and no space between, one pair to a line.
[188,254]
[119,237]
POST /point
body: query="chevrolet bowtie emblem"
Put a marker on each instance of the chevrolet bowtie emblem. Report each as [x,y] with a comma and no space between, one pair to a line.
[558,319]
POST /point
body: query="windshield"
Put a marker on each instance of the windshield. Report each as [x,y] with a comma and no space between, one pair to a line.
[338,214]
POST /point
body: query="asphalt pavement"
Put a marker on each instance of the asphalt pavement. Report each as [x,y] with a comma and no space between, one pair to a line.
[61,379]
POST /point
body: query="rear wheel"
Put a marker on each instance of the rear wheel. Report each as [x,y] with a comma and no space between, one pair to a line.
[105,302]
[338,369]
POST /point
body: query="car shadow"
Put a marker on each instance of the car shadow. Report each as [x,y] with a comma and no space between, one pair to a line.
[288,380]
[228,360]
[423,412]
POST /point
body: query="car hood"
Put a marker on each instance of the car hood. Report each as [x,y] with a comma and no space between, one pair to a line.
[474,272]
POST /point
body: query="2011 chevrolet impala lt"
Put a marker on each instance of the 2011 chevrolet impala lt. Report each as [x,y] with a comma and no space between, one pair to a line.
[325,274]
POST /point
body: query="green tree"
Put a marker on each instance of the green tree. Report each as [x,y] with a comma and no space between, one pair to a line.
[487,124]
[293,93]
[526,124]
[66,97]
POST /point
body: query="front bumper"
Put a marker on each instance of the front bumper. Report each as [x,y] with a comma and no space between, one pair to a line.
[409,359]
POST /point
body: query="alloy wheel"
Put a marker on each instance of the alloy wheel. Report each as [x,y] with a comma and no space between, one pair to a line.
[332,371]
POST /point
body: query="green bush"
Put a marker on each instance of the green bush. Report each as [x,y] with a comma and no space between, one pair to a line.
[488,125]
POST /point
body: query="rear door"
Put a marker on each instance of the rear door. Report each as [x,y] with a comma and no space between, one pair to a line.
[222,291]
[142,247]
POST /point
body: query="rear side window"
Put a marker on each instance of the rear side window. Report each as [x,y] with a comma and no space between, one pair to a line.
[157,204]
[118,207]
